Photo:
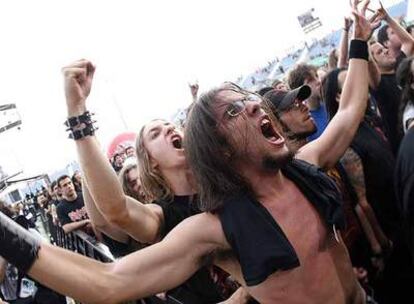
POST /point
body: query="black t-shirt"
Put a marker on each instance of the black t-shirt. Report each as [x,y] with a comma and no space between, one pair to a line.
[119,249]
[55,202]
[404,183]
[200,288]
[70,212]
[388,97]
[176,211]
[116,168]
[378,165]
[399,58]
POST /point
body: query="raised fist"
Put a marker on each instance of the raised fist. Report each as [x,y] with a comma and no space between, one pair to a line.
[347,23]
[78,82]
[194,90]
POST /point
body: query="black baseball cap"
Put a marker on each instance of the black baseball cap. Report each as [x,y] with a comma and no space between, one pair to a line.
[282,100]
[264,90]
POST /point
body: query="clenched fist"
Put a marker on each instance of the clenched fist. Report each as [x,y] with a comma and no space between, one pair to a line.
[78,78]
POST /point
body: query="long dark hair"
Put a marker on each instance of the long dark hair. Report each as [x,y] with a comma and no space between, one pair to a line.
[405,79]
[330,89]
[209,154]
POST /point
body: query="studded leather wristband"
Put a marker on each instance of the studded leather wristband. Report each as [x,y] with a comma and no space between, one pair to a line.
[89,130]
[74,121]
[80,126]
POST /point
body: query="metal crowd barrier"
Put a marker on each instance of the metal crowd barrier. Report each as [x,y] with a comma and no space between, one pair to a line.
[84,244]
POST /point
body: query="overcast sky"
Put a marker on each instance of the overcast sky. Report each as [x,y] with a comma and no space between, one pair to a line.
[145,53]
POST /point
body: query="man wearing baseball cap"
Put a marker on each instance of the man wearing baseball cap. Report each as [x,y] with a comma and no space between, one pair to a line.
[297,123]
[306,74]
[289,107]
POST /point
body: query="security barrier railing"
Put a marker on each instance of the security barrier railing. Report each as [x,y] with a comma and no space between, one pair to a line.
[84,244]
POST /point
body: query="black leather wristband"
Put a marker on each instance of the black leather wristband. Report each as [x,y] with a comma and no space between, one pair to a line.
[17,245]
[74,121]
[88,130]
[358,49]
[81,126]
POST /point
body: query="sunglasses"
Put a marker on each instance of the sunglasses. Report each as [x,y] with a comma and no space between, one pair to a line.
[239,106]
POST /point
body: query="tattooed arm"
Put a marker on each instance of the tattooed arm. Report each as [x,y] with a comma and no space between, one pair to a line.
[353,167]
[368,231]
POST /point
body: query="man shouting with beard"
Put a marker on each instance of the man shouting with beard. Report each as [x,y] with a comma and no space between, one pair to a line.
[270,221]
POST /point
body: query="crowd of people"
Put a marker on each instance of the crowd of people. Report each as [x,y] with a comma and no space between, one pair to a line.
[298,193]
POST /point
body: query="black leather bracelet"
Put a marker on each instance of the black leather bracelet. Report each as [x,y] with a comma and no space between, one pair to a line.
[358,49]
[88,130]
[18,246]
[74,121]
[81,126]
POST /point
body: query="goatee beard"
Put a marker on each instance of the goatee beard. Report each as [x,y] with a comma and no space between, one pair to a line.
[274,163]
[304,135]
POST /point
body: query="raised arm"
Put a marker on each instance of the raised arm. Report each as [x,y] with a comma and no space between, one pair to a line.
[140,222]
[407,41]
[343,47]
[373,72]
[143,273]
[99,221]
[331,145]
[194,90]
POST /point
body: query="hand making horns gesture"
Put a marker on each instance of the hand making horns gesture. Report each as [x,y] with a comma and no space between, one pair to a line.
[363,27]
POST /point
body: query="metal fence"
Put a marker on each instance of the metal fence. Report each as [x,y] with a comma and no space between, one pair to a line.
[84,244]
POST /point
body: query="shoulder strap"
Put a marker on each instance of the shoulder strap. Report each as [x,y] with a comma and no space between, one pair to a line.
[319,189]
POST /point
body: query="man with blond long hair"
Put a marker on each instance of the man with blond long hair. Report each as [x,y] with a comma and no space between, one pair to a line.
[166,182]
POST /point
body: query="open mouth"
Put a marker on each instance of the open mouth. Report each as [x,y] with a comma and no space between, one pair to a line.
[269,132]
[177,142]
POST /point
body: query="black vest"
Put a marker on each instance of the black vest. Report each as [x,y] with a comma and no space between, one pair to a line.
[257,240]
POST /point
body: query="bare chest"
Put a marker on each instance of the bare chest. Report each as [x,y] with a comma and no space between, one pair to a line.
[303,226]
[323,260]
